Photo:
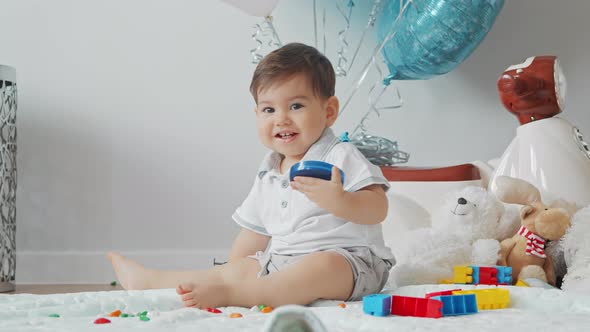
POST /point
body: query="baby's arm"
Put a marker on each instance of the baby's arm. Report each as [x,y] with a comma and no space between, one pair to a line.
[367,206]
[247,243]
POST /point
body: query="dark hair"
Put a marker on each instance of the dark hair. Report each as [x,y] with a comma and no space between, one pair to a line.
[292,59]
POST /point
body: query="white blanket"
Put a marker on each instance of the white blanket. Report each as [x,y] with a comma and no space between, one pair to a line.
[531,309]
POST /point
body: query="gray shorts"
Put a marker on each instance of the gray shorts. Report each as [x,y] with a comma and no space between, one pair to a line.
[369,271]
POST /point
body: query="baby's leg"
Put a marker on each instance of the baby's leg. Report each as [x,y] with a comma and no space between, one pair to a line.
[133,275]
[321,275]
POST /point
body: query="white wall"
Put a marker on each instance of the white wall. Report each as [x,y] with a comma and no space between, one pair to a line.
[135,129]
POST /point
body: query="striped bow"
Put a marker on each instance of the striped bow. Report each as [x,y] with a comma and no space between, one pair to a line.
[535,245]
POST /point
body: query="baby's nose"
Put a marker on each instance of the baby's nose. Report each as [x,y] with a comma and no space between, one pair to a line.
[282,118]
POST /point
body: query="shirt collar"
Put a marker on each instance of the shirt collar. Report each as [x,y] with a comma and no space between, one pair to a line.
[318,151]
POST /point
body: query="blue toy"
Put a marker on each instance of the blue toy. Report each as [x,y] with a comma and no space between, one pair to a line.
[314,169]
[377,305]
[453,305]
[344,137]
[504,274]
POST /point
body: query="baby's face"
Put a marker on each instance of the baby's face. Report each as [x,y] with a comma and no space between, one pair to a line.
[290,117]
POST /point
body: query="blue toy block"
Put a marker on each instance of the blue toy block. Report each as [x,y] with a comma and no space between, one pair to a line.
[453,305]
[504,274]
[377,304]
[475,275]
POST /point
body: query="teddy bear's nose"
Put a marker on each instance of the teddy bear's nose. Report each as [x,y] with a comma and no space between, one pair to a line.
[462,201]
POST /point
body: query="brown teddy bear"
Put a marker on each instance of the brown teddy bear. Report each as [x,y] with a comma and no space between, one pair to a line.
[540,223]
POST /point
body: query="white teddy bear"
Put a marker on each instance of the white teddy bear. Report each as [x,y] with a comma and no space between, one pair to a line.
[466,229]
[576,249]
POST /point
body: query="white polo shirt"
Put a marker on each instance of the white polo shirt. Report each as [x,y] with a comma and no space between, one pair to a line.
[296,224]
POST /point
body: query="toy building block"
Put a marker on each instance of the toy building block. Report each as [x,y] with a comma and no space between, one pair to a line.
[447,292]
[486,276]
[504,275]
[454,305]
[482,275]
[377,304]
[463,275]
[521,283]
[488,299]
[415,306]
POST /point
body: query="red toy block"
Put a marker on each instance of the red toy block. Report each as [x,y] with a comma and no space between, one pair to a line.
[447,292]
[415,306]
[488,276]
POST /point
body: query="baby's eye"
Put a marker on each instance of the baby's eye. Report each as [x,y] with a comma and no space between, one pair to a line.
[268,110]
[296,106]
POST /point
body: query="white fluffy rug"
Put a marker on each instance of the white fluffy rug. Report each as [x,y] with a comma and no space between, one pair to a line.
[531,309]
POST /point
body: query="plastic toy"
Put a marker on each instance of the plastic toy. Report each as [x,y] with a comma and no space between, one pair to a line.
[235,315]
[548,151]
[314,169]
[342,305]
[447,292]
[485,275]
[488,299]
[266,310]
[102,320]
[463,275]
[377,304]
[54,315]
[344,137]
[213,310]
[521,283]
[454,305]
[115,313]
[504,275]
[476,275]
[415,306]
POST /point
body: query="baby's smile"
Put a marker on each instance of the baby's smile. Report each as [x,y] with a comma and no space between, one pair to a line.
[286,136]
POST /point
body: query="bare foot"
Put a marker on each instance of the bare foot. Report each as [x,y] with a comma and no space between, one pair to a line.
[204,295]
[130,274]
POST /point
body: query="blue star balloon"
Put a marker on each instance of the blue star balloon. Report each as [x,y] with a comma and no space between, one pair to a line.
[433,36]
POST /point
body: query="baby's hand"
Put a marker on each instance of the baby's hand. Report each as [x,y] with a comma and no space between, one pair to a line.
[324,193]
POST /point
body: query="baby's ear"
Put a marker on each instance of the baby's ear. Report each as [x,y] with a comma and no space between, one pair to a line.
[332,108]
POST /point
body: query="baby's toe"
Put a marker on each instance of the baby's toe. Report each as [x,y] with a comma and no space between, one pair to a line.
[187,296]
[189,303]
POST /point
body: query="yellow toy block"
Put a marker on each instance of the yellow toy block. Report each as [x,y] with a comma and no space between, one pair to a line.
[521,283]
[446,281]
[488,299]
[463,275]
